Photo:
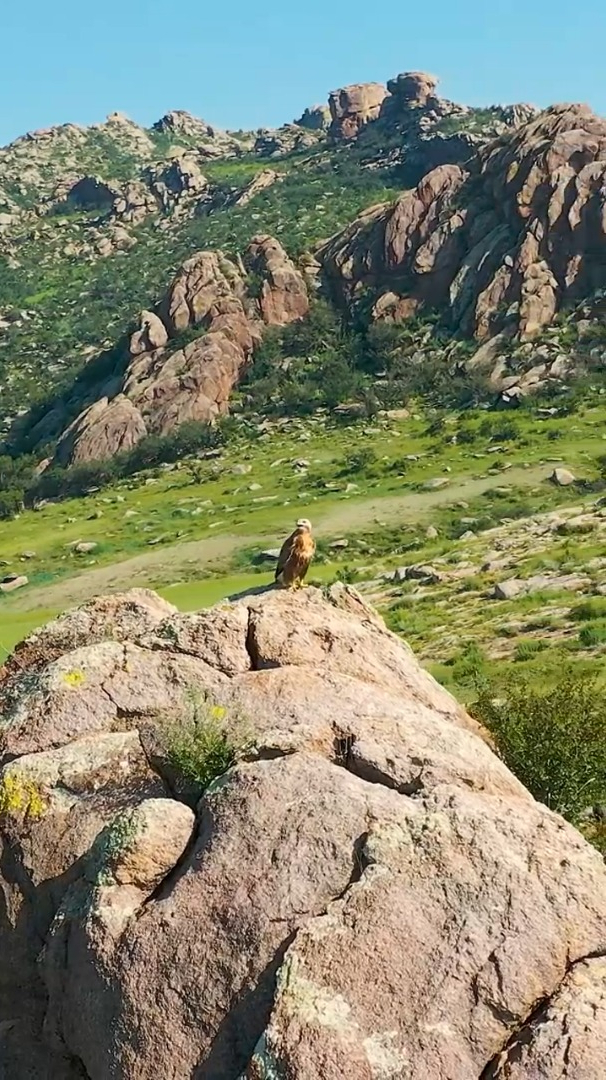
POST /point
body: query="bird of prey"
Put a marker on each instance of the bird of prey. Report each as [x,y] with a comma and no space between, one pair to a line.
[296,555]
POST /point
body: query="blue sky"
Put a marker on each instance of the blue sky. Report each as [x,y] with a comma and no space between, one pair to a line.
[258,64]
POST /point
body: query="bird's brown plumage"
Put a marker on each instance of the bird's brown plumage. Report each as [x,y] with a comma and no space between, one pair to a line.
[295,556]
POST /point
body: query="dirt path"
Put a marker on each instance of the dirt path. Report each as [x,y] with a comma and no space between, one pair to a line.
[169,563]
[160,564]
[351,516]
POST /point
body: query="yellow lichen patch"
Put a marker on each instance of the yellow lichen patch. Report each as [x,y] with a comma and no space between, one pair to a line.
[74,679]
[218,712]
[20,796]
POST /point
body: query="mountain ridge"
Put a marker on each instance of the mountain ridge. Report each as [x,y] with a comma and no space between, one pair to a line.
[454,247]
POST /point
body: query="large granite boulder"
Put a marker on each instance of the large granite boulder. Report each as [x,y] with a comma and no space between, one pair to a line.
[367,892]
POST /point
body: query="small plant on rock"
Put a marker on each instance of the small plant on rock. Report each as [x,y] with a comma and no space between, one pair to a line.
[204,742]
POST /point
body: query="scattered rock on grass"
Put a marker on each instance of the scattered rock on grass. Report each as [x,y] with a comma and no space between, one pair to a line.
[436,483]
[506,590]
[13,582]
[562,477]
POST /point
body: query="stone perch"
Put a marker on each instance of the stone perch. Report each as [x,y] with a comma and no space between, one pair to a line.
[370,895]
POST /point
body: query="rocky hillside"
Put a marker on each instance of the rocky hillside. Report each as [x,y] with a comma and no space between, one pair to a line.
[392,203]
[366,892]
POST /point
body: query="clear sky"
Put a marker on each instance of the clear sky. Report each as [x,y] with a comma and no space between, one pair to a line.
[251,64]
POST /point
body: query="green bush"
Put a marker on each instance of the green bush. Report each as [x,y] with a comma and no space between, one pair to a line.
[11,502]
[468,665]
[203,743]
[151,451]
[595,608]
[359,462]
[554,740]
[593,634]
[525,650]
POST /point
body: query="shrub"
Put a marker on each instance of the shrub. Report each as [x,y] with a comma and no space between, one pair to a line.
[468,664]
[11,503]
[499,429]
[203,743]
[593,634]
[525,650]
[151,451]
[595,608]
[553,740]
[359,462]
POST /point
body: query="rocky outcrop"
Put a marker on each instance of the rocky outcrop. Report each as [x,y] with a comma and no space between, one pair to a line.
[352,107]
[264,179]
[210,140]
[177,182]
[276,142]
[367,892]
[503,241]
[315,118]
[180,122]
[283,295]
[104,429]
[414,88]
[129,202]
[162,385]
[92,193]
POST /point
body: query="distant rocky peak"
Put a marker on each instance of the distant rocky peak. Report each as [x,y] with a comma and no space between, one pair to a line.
[351,107]
[315,118]
[413,87]
[180,122]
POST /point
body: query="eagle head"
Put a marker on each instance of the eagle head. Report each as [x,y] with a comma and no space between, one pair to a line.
[304,524]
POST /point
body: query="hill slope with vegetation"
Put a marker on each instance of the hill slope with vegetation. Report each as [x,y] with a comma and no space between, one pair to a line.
[206,334]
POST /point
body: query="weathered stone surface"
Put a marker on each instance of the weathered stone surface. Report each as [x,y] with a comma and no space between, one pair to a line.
[16,582]
[274,142]
[260,182]
[504,241]
[413,87]
[150,335]
[506,590]
[177,182]
[370,893]
[104,429]
[283,295]
[353,106]
[201,282]
[562,477]
[565,1035]
[162,388]
[350,1001]
[211,141]
[315,117]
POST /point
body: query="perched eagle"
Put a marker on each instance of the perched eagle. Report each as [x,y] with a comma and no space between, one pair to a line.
[296,555]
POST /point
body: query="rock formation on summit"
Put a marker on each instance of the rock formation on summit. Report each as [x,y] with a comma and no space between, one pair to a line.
[367,893]
[502,242]
[315,117]
[354,106]
[161,386]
